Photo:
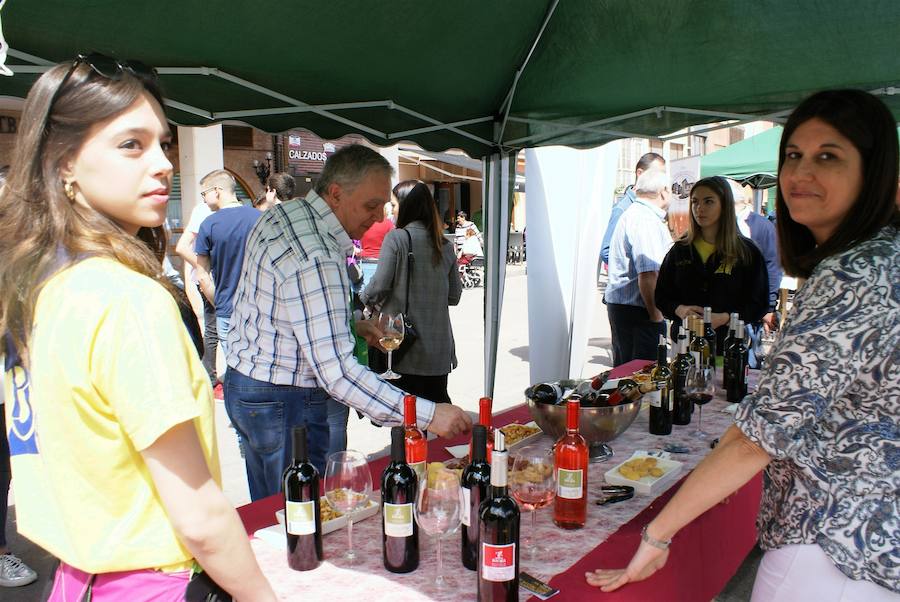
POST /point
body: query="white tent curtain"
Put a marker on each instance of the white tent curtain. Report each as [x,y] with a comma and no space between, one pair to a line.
[499,178]
[570,193]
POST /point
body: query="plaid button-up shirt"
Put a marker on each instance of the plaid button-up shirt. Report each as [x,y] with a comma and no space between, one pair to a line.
[291,319]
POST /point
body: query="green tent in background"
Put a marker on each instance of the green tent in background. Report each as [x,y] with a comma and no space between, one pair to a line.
[753,161]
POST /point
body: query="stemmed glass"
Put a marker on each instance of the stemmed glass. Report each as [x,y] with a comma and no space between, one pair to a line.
[437,510]
[391,327]
[766,342]
[533,484]
[348,484]
[700,389]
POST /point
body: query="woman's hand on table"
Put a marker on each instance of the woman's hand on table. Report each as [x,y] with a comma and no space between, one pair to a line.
[646,561]
[683,311]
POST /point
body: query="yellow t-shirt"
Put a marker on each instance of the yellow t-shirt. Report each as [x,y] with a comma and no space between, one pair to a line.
[112,368]
[704,249]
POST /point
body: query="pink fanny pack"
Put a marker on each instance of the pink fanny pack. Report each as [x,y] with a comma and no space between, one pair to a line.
[146,585]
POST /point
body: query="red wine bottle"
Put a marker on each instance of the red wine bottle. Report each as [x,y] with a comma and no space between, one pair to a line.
[729,341]
[416,443]
[399,532]
[302,521]
[571,463]
[498,554]
[485,418]
[737,366]
[682,407]
[476,478]
[661,396]
[710,335]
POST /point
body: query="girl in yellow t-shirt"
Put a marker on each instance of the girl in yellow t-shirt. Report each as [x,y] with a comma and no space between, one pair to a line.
[109,411]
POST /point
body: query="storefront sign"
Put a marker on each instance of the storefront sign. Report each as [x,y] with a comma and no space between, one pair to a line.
[307,153]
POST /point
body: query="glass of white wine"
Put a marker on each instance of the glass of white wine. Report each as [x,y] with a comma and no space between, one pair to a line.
[391,326]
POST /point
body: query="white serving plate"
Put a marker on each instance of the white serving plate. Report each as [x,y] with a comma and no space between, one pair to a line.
[371,509]
[647,485]
[527,440]
[462,451]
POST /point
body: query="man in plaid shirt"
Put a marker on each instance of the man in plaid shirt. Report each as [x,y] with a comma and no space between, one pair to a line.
[290,347]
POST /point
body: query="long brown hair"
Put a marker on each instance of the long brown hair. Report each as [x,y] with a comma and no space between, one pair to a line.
[41,231]
[869,125]
[729,246]
[417,205]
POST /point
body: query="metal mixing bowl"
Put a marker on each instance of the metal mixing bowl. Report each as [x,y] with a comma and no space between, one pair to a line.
[596,425]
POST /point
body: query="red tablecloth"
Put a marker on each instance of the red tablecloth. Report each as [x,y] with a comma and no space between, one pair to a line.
[705,555]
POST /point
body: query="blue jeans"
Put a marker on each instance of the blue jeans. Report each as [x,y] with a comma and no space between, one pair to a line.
[264,414]
[337,426]
[222,326]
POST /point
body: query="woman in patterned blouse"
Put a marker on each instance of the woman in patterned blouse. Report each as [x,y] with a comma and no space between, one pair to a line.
[823,422]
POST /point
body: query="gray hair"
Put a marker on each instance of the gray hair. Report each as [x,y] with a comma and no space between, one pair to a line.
[651,182]
[349,166]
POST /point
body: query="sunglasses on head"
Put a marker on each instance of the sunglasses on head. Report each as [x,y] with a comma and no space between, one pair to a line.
[107,67]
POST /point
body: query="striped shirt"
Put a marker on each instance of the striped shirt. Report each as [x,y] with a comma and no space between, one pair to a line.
[639,244]
[291,319]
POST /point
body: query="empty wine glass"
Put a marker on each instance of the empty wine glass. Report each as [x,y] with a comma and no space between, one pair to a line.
[348,484]
[533,483]
[700,389]
[437,510]
[391,327]
[766,342]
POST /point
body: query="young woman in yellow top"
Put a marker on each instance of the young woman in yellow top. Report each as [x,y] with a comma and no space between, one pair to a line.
[109,411]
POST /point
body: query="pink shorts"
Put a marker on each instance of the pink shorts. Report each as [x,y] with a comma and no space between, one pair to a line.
[71,585]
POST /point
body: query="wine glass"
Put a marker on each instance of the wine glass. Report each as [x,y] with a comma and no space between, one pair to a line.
[391,327]
[437,510]
[533,484]
[348,484]
[700,389]
[766,342]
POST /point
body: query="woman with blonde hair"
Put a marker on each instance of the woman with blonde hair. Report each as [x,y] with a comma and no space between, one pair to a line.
[110,412]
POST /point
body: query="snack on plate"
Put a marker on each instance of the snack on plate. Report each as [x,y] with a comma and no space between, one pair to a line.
[639,468]
[516,432]
[326,512]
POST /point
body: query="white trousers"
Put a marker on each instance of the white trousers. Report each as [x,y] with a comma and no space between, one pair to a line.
[799,573]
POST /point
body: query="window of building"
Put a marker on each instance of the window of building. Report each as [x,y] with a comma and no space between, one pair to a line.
[237,136]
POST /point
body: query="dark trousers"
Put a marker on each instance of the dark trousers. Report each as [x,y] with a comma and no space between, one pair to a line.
[210,338]
[634,336]
[432,388]
[5,476]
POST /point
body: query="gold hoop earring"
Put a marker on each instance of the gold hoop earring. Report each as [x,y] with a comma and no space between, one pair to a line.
[69,190]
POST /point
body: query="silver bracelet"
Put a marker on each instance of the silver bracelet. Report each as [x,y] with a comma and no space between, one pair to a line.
[656,543]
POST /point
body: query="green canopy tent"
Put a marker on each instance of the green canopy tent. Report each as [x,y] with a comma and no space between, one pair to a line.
[489,78]
[753,161]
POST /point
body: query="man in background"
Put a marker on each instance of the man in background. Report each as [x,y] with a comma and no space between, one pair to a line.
[762,232]
[637,249]
[185,249]
[647,161]
[220,245]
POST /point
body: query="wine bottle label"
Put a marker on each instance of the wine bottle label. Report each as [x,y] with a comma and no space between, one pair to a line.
[301,517]
[498,562]
[671,400]
[569,483]
[419,468]
[465,511]
[398,520]
[655,398]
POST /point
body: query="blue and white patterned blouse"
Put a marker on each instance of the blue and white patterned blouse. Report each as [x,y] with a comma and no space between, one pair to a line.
[827,410]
